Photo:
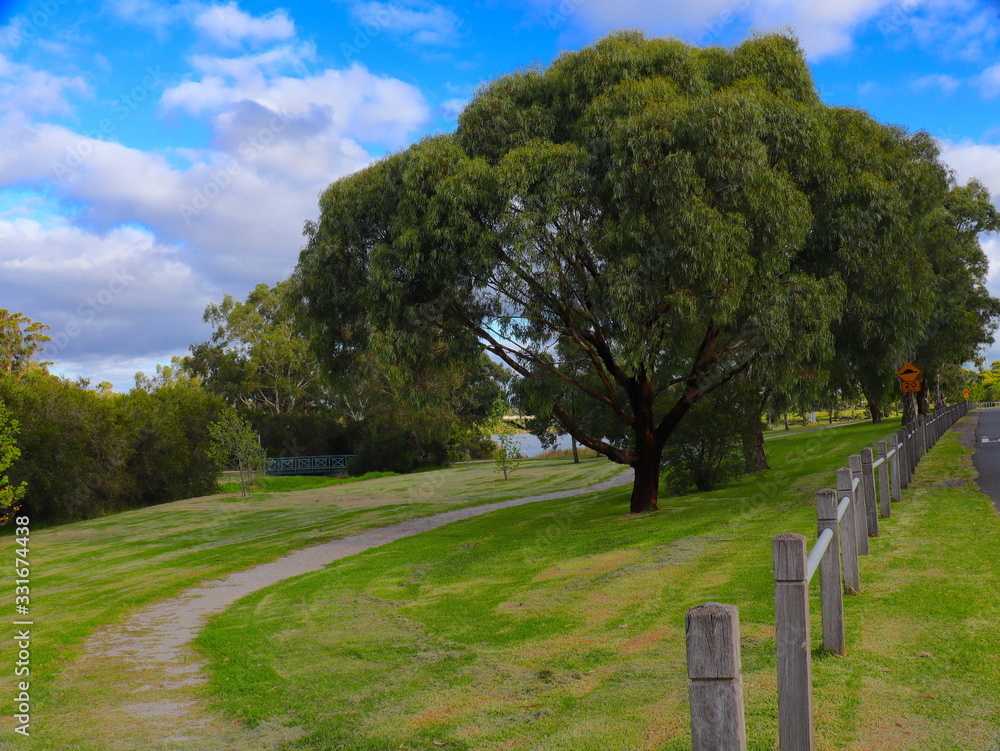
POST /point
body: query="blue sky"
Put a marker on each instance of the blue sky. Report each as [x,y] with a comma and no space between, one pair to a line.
[157,155]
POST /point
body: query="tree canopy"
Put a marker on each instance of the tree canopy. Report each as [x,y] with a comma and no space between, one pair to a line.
[636,225]
[21,341]
[256,357]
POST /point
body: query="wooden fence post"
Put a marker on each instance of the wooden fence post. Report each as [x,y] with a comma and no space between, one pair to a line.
[883,479]
[849,538]
[904,479]
[831,585]
[791,611]
[860,519]
[911,438]
[868,481]
[922,442]
[894,445]
[718,722]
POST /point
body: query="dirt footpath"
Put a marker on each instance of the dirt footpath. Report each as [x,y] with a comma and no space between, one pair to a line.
[140,684]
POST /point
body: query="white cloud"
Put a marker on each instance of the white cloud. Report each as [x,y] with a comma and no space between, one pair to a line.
[955,29]
[454,107]
[974,160]
[102,294]
[25,91]
[188,224]
[826,27]
[361,105]
[942,82]
[229,26]
[988,81]
[154,14]
[991,245]
[424,23]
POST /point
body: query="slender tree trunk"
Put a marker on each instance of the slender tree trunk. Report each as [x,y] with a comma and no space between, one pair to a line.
[909,409]
[876,411]
[786,421]
[832,405]
[923,399]
[576,454]
[243,484]
[939,399]
[756,458]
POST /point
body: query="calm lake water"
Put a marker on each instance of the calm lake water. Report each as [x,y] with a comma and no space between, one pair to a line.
[528,445]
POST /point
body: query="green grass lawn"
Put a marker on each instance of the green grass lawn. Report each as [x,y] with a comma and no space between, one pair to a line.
[557,625]
[561,625]
[87,574]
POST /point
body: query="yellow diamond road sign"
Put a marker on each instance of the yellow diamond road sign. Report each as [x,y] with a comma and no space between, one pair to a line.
[909,372]
[966,393]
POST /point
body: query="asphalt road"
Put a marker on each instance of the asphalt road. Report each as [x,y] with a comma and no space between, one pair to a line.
[987,456]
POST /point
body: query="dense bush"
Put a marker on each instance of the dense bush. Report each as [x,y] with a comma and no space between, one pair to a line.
[85,453]
[314,434]
[712,446]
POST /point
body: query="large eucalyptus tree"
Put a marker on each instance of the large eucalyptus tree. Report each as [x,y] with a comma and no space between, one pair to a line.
[636,211]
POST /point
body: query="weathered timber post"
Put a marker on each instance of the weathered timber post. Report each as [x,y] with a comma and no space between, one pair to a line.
[894,446]
[831,585]
[883,479]
[911,438]
[904,478]
[849,537]
[868,481]
[791,620]
[922,438]
[718,722]
[860,518]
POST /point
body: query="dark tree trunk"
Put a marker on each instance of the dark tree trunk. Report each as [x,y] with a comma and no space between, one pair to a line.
[646,463]
[756,458]
[876,411]
[786,421]
[923,400]
[909,409]
[940,402]
[576,454]
[646,487]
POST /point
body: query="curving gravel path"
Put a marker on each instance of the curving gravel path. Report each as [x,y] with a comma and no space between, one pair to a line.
[151,651]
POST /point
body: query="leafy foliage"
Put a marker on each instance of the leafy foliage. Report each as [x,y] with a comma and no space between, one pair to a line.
[21,340]
[257,358]
[633,212]
[9,453]
[235,444]
[87,453]
[508,456]
[710,448]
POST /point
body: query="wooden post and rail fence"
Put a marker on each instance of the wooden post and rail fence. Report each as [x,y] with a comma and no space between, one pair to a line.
[846,518]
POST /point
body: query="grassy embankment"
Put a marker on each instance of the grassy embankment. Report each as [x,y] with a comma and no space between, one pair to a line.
[91,573]
[561,625]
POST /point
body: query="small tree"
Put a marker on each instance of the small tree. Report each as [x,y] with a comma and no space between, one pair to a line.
[508,456]
[711,447]
[235,444]
[9,453]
